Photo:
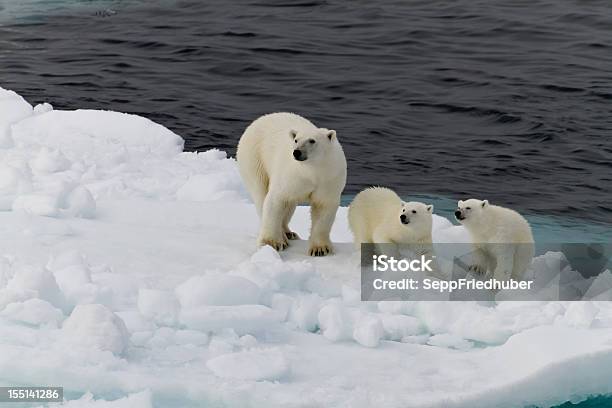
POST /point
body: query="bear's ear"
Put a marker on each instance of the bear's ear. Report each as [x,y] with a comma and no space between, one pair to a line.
[430,208]
[485,203]
[459,203]
[331,134]
[293,134]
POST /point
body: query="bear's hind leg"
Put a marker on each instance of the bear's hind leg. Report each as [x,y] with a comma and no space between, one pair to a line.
[504,256]
[271,232]
[289,210]
[259,190]
[522,259]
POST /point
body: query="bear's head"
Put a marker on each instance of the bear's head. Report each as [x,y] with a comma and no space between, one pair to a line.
[416,215]
[470,210]
[312,145]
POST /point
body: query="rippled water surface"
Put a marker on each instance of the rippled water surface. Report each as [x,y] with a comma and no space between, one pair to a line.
[505,100]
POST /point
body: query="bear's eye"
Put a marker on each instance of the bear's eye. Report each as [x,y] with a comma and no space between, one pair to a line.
[311,141]
[468,208]
[414,211]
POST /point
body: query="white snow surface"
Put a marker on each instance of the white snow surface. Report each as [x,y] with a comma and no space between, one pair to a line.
[129,275]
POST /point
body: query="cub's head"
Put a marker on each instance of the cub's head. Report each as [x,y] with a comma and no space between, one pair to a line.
[310,145]
[416,215]
[469,210]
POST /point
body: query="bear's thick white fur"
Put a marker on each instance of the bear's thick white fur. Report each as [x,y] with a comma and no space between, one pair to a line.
[375,216]
[278,181]
[502,239]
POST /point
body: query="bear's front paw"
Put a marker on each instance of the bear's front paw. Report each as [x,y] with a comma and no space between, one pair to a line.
[320,250]
[478,269]
[276,244]
[291,235]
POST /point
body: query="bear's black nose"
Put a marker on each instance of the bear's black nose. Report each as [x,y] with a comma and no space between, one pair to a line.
[297,154]
[458,215]
[404,219]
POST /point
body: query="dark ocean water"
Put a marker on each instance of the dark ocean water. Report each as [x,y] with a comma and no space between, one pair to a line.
[505,100]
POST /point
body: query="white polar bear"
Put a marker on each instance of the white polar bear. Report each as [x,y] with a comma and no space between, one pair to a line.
[502,239]
[378,215]
[285,160]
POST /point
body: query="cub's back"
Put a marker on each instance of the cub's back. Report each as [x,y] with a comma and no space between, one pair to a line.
[513,224]
[369,209]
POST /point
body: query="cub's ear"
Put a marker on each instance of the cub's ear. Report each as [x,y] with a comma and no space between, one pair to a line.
[331,134]
[430,208]
[485,203]
[293,134]
[460,203]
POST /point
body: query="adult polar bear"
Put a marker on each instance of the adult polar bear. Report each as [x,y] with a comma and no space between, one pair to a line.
[285,160]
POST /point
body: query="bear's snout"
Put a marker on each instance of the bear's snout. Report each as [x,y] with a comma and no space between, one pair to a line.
[404,219]
[459,215]
[297,154]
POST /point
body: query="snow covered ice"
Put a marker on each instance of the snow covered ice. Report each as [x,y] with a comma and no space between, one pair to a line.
[129,276]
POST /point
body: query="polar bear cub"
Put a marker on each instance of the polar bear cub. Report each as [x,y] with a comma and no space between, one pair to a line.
[285,160]
[502,239]
[378,215]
